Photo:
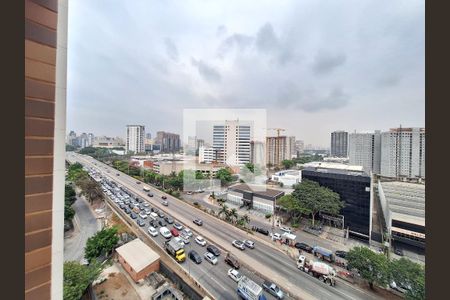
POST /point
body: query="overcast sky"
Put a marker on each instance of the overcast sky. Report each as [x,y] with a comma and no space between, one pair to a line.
[316,66]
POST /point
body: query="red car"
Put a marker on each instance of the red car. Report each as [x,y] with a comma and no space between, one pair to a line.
[174,232]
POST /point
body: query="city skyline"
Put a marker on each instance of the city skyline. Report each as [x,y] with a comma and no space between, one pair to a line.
[347,69]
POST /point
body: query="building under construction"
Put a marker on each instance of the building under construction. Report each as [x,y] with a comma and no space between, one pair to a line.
[279,148]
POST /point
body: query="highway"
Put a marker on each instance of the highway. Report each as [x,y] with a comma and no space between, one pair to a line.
[265,259]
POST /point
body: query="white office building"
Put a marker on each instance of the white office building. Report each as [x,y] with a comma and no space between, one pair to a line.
[135,138]
[364,149]
[403,153]
[205,155]
[288,177]
[231,143]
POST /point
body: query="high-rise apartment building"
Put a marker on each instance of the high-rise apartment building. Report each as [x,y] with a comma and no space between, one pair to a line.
[339,143]
[403,153]
[135,138]
[364,149]
[231,143]
[200,143]
[279,148]
[170,142]
[299,147]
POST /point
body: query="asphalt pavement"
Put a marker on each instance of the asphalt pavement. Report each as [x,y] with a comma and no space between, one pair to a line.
[85,226]
[265,259]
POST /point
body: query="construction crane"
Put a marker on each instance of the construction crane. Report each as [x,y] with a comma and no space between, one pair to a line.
[277,145]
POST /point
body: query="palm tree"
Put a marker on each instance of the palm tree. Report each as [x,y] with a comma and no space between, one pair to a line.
[246,219]
[233,215]
[224,211]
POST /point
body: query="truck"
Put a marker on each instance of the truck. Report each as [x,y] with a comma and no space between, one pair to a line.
[323,253]
[175,249]
[273,289]
[249,290]
[320,270]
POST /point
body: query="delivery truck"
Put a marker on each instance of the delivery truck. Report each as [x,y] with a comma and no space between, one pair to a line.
[175,249]
[249,290]
[320,270]
[323,253]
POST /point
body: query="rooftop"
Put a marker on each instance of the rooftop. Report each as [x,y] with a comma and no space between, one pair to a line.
[257,190]
[137,254]
[334,168]
[406,201]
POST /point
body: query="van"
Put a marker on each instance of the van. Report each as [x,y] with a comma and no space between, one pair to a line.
[154,216]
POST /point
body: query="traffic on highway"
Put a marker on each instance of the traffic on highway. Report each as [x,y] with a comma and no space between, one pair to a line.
[198,256]
[174,221]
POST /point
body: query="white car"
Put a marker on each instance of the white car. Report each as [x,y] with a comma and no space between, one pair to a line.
[143,215]
[200,240]
[187,231]
[238,244]
[275,236]
[235,275]
[179,241]
[211,258]
[152,231]
[249,244]
[165,232]
[185,238]
[286,229]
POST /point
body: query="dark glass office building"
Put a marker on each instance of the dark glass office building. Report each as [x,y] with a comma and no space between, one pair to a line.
[354,190]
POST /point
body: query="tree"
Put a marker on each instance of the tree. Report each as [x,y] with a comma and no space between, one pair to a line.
[75,172]
[77,278]
[69,212]
[314,198]
[407,273]
[69,200]
[245,219]
[292,205]
[70,147]
[372,266]
[287,164]
[90,189]
[233,216]
[224,211]
[88,150]
[224,175]
[102,243]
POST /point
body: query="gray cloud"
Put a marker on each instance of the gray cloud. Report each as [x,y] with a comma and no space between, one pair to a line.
[389,81]
[309,99]
[221,30]
[266,39]
[239,41]
[206,71]
[325,62]
[336,99]
[275,60]
[171,49]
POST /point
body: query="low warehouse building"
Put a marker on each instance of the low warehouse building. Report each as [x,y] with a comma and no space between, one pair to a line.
[255,197]
[403,205]
[138,259]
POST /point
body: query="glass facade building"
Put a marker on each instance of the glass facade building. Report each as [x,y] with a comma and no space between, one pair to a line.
[354,191]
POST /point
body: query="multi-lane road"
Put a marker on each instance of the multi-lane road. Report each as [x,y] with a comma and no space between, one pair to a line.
[265,260]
